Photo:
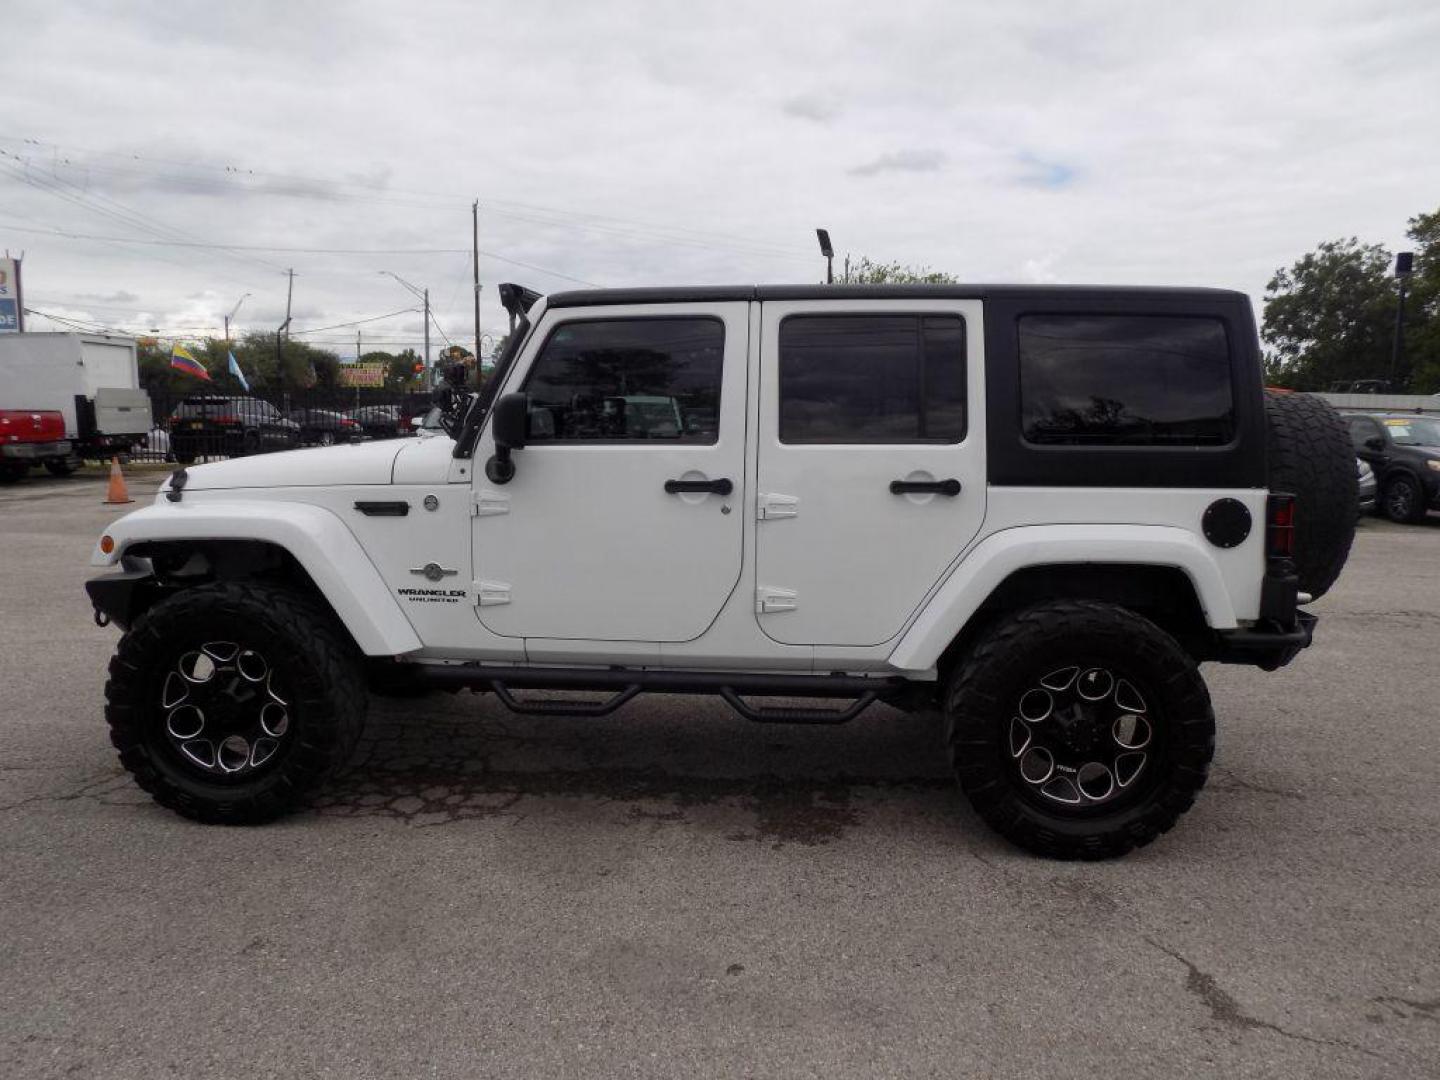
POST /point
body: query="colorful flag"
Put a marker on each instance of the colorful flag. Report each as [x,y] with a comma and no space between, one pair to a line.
[239,375]
[181,360]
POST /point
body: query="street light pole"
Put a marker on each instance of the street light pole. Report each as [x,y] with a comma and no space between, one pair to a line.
[829,252]
[1404,266]
[233,310]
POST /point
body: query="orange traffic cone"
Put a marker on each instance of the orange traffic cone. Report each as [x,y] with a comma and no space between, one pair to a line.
[117,495]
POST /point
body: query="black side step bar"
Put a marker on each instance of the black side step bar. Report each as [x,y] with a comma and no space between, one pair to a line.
[625,684]
[562,708]
[784,714]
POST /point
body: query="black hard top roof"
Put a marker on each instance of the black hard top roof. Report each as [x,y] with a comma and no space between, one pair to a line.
[693,294]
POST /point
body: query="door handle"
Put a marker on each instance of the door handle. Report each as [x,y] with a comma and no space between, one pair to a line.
[928,487]
[723,486]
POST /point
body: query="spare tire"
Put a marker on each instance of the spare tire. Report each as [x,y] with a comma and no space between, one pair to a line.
[1310,457]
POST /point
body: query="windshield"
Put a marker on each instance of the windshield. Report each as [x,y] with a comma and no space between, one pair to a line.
[1420,431]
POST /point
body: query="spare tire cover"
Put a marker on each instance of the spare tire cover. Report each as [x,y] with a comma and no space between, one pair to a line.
[1310,456]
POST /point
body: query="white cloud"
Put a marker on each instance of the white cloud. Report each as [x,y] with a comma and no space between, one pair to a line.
[628,142]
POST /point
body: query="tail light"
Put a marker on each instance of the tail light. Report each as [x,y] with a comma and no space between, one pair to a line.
[230,420]
[1280,526]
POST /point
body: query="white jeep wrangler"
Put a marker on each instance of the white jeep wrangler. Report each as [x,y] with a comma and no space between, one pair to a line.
[1036,509]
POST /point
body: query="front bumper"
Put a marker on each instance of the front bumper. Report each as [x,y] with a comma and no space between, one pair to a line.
[1367,492]
[124,596]
[36,451]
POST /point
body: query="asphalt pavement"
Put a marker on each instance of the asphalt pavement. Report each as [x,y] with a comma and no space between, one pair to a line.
[673,891]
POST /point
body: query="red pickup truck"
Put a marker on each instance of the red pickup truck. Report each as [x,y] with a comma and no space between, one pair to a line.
[30,437]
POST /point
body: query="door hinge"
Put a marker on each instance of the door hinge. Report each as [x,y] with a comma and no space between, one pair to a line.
[491,593]
[770,506]
[485,503]
[768,599]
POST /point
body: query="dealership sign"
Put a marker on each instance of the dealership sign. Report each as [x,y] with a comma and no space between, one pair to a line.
[11,317]
[362,374]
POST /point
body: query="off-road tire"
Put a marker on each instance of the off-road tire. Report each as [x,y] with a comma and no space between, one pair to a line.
[982,697]
[1311,457]
[1397,507]
[320,670]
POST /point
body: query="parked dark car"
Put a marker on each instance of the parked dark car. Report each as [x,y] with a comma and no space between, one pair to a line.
[1404,451]
[212,425]
[324,427]
[380,421]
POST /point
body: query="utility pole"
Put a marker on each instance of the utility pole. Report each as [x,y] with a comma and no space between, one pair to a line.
[19,292]
[357,346]
[475,263]
[289,293]
[1404,266]
[428,369]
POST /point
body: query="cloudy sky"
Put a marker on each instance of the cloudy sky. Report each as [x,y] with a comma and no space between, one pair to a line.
[629,143]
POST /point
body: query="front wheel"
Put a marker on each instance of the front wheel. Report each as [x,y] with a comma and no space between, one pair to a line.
[230,703]
[1403,501]
[1079,730]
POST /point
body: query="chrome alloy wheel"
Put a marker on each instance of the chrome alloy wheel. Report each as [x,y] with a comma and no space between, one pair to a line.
[1081,737]
[222,711]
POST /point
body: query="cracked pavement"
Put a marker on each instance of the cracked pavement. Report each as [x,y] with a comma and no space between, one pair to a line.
[675,891]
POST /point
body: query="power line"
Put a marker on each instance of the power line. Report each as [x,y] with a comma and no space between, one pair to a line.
[357,322]
[210,245]
[310,186]
[117,212]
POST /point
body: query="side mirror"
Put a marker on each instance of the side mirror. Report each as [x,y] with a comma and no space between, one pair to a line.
[416,422]
[1375,442]
[508,421]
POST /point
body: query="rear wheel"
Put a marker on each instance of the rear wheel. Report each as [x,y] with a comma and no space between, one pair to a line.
[1402,500]
[250,443]
[327,438]
[59,466]
[13,470]
[1079,730]
[231,702]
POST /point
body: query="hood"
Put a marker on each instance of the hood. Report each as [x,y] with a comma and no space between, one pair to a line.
[352,463]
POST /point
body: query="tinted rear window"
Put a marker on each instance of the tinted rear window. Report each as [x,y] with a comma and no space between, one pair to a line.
[1125,380]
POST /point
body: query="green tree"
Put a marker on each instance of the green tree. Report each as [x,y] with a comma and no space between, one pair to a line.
[1422,306]
[400,374]
[865,271]
[1330,317]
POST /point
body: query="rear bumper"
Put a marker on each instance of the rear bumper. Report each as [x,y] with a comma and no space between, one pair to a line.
[1265,647]
[1281,631]
[36,451]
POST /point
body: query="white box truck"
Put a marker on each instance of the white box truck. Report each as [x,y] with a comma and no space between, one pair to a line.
[92,380]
